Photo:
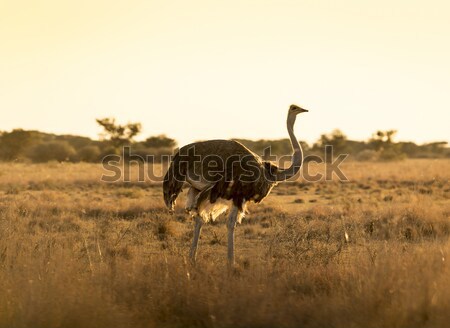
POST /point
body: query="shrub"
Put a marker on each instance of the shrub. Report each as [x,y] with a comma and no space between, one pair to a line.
[391,154]
[367,155]
[89,154]
[13,144]
[56,150]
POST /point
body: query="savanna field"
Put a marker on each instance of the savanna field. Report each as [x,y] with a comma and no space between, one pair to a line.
[370,252]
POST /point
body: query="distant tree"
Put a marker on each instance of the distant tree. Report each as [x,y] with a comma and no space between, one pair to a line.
[13,144]
[337,139]
[436,147]
[161,141]
[409,148]
[386,136]
[382,139]
[119,135]
[433,150]
[55,150]
[388,150]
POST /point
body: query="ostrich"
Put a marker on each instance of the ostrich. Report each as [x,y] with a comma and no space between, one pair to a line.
[223,174]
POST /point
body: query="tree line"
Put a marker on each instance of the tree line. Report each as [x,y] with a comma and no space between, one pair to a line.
[39,147]
[379,147]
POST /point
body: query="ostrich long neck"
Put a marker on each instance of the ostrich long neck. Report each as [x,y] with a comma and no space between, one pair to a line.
[297,156]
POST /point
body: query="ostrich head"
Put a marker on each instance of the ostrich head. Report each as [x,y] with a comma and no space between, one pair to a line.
[294,109]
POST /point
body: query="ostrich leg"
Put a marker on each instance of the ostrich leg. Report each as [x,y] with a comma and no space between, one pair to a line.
[231,225]
[197,230]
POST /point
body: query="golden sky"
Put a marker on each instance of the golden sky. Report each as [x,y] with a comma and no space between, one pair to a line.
[210,69]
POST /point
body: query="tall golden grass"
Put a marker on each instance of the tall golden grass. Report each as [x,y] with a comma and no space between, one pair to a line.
[370,252]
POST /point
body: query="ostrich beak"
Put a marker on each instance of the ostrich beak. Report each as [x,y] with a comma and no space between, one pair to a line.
[302,110]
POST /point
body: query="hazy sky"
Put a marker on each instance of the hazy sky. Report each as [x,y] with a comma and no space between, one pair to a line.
[209,69]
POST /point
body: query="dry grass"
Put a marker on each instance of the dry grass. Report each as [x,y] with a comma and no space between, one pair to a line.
[372,252]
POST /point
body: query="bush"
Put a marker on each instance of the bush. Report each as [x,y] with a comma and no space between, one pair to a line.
[108,150]
[56,150]
[391,154]
[367,155]
[160,141]
[13,144]
[89,154]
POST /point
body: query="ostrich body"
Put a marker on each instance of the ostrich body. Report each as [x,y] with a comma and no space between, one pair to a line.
[223,174]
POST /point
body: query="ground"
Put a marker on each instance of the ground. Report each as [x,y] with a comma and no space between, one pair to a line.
[370,252]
